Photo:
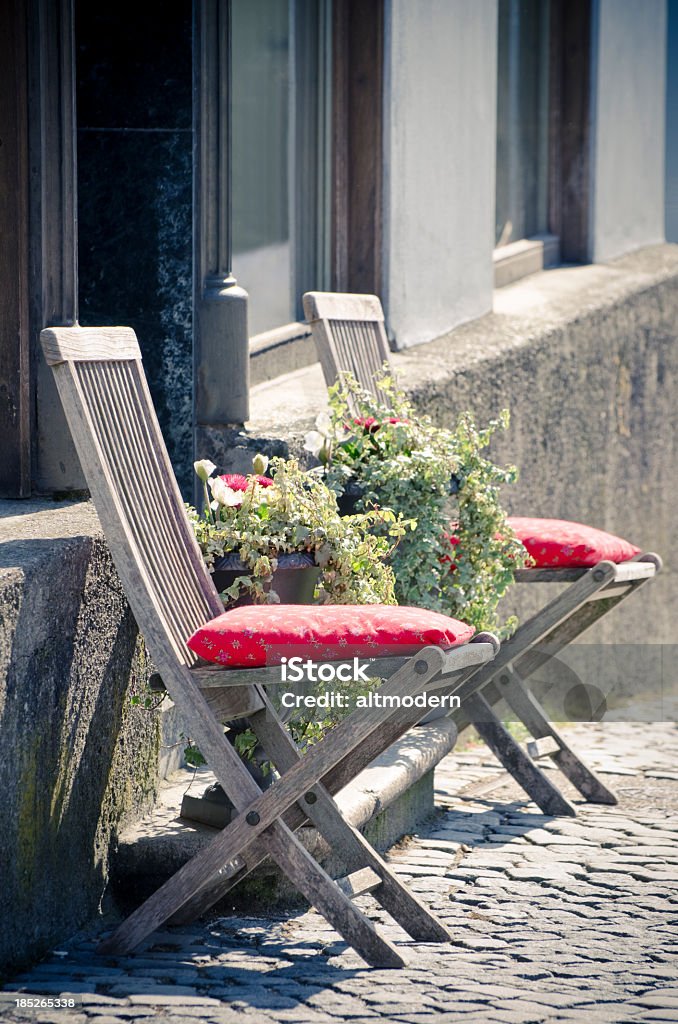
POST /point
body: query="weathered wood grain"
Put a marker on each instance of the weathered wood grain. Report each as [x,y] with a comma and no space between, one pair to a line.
[342,306]
[93,344]
[389,730]
[514,759]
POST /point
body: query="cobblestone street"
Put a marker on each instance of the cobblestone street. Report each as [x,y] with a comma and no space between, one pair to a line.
[555,919]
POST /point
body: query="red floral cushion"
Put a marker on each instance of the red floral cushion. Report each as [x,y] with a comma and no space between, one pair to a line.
[557,543]
[257,635]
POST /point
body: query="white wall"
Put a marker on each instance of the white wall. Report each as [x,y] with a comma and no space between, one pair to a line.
[628,97]
[440,126]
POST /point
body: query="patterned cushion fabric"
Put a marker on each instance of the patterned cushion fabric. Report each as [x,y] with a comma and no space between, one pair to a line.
[557,543]
[257,635]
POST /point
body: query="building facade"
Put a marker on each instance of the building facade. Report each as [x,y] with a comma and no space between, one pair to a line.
[162,160]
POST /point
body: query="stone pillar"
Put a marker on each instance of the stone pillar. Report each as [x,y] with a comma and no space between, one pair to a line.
[221,344]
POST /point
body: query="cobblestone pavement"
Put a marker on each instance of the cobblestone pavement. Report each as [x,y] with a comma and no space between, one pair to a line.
[555,919]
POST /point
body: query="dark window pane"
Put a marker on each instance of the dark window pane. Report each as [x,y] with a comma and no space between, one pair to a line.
[522,120]
[280,131]
[260,133]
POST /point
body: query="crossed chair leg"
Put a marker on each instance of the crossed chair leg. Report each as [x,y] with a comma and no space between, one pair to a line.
[534,644]
[265,823]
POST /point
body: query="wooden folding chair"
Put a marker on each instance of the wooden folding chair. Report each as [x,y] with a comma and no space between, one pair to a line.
[350,336]
[108,406]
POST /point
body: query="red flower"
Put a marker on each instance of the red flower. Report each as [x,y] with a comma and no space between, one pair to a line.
[370,425]
[238,482]
[447,559]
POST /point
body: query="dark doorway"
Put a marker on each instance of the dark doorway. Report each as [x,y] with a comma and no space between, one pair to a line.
[135,142]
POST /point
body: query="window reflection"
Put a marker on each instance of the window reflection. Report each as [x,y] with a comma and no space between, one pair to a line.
[522,120]
[280,129]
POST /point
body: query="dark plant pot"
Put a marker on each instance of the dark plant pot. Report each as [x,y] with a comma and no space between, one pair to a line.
[294,580]
[349,498]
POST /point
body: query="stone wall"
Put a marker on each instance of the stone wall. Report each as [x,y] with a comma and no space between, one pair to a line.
[78,760]
[586,359]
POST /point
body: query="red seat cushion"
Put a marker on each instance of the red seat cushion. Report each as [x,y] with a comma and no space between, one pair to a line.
[557,543]
[257,635]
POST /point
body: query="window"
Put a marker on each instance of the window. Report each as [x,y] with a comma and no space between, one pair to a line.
[281,126]
[522,199]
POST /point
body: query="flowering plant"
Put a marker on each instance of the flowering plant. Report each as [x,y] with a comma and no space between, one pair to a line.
[382,451]
[261,517]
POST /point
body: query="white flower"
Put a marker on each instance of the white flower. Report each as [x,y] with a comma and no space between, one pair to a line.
[323,423]
[314,442]
[260,464]
[204,469]
[223,494]
[319,441]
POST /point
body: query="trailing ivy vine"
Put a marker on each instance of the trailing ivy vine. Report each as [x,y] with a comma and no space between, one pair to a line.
[460,558]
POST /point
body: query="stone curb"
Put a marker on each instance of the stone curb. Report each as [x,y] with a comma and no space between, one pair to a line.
[387,800]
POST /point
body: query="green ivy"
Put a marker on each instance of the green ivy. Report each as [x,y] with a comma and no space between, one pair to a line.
[460,558]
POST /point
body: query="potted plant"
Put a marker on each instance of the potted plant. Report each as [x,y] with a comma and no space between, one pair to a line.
[378,452]
[260,530]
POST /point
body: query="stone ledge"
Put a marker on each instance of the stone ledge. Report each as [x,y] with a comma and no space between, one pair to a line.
[35,534]
[82,760]
[530,310]
[386,801]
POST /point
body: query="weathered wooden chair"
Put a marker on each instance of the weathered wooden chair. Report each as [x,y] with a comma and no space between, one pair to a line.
[350,336]
[108,406]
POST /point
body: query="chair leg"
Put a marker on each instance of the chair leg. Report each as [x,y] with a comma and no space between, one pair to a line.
[533,645]
[262,813]
[530,712]
[392,894]
[514,759]
[390,729]
[525,705]
[326,896]
[299,866]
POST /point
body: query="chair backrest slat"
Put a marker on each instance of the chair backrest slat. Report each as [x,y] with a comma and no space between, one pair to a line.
[349,334]
[109,409]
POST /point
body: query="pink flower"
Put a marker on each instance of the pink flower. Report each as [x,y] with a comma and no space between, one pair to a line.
[370,424]
[226,487]
[238,482]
